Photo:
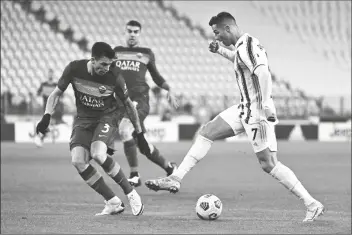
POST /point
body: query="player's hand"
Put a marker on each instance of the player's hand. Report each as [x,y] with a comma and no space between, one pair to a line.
[142,143]
[270,115]
[43,125]
[214,46]
[171,98]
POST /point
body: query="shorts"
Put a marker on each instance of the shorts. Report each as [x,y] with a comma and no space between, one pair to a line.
[87,130]
[261,134]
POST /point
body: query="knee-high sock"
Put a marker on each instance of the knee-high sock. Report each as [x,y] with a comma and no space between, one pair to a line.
[287,178]
[92,177]
[199,149]
[157,158]
[114,170]
[130,149]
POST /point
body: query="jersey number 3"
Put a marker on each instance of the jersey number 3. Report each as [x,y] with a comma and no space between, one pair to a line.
[106,128]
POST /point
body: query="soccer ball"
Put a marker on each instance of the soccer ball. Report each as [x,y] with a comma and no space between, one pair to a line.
[208,207]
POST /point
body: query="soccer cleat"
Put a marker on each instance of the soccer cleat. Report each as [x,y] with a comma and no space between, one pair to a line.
[135,203]
[314,210]
[170,183]
[171,167]
[112,207]
[135,179]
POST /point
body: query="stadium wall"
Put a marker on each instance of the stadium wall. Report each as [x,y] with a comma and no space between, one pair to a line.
[23,131]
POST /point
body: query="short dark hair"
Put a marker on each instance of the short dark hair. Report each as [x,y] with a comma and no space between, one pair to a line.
[134,23]
[221,17]
[101,49]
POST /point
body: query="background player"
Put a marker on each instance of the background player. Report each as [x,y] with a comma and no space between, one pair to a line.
[134,61]
[44,91]
[94,83]
[256,114]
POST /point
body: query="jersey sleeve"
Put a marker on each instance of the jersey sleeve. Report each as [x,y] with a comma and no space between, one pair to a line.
[156,76]
[65,78]
[252,54]
[228,54]
[121,88]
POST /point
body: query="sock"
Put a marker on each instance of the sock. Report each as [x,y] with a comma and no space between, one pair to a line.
[157,158]
[96,182]
[115,172]
[287,178]
[130,149]
[199,149]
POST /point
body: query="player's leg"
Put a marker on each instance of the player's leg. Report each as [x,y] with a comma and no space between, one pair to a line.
[79,145]
[103,135]
[264,143]
[156,157]
[125,130]
[226,124]
[130,149]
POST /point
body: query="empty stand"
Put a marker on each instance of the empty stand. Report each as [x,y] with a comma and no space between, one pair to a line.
[182,54]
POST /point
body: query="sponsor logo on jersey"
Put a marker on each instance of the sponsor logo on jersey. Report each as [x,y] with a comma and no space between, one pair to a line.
[128,65]
[102,89]
[93,102]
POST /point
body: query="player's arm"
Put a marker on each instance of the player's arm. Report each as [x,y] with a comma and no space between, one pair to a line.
[132,114]
[53,99]
[215,47]
[160,81]
[122,93]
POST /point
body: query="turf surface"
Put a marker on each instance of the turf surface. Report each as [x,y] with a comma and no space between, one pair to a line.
[41,192]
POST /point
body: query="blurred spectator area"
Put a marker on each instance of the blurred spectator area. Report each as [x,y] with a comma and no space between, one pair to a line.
[30,45]
[323,25]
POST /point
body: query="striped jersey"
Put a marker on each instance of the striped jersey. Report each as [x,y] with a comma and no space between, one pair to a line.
[134,63]
[94,93]
[247,56]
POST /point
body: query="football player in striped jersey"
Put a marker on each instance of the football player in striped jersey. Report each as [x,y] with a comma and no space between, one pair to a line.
[255,114]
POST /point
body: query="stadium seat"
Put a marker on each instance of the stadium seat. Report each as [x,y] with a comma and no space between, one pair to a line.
[32,46]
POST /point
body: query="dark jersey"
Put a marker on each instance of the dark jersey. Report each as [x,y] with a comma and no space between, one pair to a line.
[134,63]
[94,94]
[45,90]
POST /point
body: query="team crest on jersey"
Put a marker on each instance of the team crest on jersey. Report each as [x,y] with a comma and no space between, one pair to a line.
[139,55]
[102,89]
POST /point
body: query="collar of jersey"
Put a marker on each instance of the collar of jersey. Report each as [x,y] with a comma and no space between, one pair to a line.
[242,38]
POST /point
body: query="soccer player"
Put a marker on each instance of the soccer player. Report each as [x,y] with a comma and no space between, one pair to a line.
[95,82]
[255,115]
[44,91]
[134,61]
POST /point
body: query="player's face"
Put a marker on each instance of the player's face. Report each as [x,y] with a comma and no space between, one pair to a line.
[221,34]
[132,35]
[102,65]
